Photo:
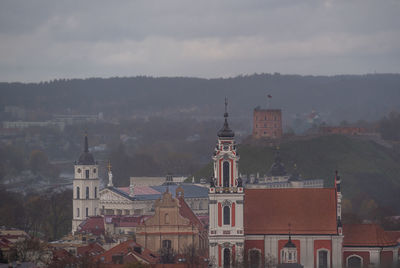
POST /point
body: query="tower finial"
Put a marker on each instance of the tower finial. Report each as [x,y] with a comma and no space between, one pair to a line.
[226,105]
[86,143]
[226,132]
[290,235]
[109,166]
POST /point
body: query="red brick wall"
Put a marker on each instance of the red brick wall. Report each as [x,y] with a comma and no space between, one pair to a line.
[250,244]
[320,244]
[364,255]
[267,123]
[386,259]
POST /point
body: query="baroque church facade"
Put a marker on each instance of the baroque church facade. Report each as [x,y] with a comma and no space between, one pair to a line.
[253,225]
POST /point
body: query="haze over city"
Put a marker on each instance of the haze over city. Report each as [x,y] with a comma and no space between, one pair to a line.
[183,134]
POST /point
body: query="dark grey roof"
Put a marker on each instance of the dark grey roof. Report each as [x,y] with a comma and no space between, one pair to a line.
[277,168]
[190,191]
[290,244]
[296,175]
[86,158]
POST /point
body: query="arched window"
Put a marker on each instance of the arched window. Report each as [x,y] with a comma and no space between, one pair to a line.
[77,212]
[227,215]
[166,218]
[78,193]
[95,192]
[87,192]
[255,258]
[323,259]
[354,261]
[166,244]
[226,174]
[227,258]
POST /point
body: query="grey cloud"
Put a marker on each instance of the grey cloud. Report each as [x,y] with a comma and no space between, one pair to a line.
[45,39]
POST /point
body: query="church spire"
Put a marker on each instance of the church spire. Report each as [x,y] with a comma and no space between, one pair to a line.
[86,150]
[86,158]
[225,131]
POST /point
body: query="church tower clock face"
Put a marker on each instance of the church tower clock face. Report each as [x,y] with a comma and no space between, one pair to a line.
[226,200]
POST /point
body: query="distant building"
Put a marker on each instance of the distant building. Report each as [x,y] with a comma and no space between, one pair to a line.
[27,124]
[85,188]
[173,227]
[138,198]
[267,123]
[343,130]
[277,177]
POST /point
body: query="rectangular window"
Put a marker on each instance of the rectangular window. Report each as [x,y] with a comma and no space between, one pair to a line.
[87,212]
[166,243]
[323,259]
[87,173]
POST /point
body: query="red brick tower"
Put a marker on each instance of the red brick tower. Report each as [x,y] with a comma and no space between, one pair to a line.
[267,123]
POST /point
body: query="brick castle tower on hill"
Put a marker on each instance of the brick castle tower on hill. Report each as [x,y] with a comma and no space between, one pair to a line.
[267,123]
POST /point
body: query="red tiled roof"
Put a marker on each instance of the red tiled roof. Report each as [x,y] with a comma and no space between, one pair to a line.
[91,249]
[307,210]
[126,221]
[395,235]
[93,225]
[187,212]
[127,250]
[61,254]
[367,235]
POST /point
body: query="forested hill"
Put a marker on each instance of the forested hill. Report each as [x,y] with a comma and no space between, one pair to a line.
[369,171]
[337,98]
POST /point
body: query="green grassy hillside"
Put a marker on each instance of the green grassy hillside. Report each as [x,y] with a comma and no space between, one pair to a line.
[368,170]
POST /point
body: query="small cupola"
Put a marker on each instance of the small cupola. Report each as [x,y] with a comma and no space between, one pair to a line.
[289,252]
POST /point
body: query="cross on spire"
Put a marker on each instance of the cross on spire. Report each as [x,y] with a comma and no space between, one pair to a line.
[226,108]
[290,234]
[86,143]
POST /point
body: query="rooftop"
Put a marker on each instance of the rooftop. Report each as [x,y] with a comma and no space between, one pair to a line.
[367,235]
[307,210]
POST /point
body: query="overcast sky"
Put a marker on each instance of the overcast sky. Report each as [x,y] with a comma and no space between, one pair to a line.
[48,39]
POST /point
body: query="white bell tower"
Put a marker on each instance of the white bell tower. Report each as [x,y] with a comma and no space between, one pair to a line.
[226,197]
[85,188]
